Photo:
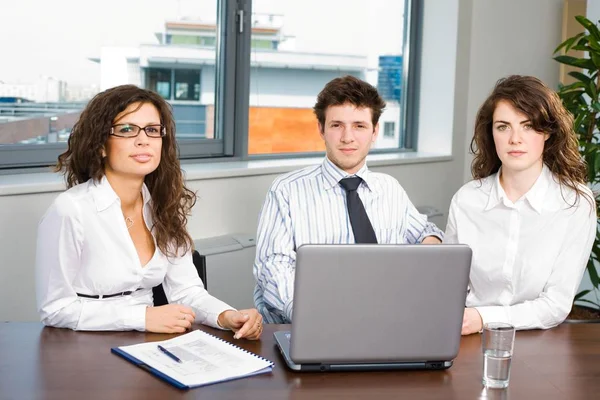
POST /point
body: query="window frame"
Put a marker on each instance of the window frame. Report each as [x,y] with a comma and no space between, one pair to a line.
[157,70]
[409,108]
[232,97]
[30,157]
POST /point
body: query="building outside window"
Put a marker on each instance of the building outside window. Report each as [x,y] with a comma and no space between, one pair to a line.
[292,53]
[159,80]
[187,84]
[388,129]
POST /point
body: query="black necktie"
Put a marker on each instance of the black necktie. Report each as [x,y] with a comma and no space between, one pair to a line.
[361,226]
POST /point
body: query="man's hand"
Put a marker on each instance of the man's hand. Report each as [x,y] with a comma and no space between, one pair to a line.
[245,323]
[172,318]
[431,240]
[472,322]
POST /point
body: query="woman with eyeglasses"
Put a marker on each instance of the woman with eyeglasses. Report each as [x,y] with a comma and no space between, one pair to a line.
[528,215]
[120,228]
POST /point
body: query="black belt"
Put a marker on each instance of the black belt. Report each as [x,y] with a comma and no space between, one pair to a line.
[106,296]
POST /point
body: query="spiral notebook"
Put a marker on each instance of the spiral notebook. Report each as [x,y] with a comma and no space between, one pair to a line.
[203,359]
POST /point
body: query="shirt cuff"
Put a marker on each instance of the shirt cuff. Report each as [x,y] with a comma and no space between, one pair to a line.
[493,314]
[431,230]
[134,317]
[213,319]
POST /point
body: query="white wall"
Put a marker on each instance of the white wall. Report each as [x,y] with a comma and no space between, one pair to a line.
[593,10]
[438,66]
[509,37]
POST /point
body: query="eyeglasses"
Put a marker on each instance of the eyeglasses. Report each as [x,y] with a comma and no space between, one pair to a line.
[131,130]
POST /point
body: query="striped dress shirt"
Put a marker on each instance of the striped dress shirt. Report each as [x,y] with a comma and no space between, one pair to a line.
[309,206]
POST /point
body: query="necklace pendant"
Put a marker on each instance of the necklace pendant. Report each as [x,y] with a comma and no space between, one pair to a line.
[129,222]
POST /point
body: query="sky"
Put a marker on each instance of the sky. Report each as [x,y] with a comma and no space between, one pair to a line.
[56,37]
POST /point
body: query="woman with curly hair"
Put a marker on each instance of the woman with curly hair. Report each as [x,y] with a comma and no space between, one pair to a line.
[120,228]
[528,215]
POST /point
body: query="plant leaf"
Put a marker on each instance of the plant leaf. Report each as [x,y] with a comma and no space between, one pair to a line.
[595,169]
[567,44]
[591,160]
[582,48]
[578,120]
[576,62]
[583,41]
[595,58]
[574,85]
[591,89]
[589,302]
[589,25]
[579,76]
[581,294]
[581,99]
[594,279]
[572,99]
[594,45]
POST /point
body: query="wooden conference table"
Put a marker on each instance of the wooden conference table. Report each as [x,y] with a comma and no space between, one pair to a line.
[50,363]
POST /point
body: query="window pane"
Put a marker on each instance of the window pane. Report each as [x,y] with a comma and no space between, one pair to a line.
[207,41]
[286,77]
[160,81]
[263,44]
[43,90]
[187,84]
[185,39]
[388,129]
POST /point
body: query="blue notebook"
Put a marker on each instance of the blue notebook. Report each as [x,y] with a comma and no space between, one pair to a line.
[194,359]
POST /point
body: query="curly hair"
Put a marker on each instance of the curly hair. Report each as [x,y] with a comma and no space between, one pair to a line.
[547,114]
[349,89]
[171,200]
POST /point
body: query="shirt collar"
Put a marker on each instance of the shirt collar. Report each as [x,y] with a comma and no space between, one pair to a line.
[104,195]
[332,174]
[535,196]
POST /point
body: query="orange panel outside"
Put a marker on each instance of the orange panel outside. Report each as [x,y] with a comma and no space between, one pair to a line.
[283,130]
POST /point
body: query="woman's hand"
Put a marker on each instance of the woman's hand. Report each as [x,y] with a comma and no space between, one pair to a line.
[172,318]
[245,323]
[472,322]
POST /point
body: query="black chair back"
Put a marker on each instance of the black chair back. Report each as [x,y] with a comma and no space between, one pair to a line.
[160,299]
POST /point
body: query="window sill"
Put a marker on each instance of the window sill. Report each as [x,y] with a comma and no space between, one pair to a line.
[45,182]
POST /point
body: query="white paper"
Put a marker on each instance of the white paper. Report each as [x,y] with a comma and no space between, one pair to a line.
[205,359]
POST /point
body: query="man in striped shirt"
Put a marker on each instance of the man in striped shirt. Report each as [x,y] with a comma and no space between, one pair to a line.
[310,205]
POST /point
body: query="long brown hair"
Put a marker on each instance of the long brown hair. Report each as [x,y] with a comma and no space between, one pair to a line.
[547,114]
[171,200]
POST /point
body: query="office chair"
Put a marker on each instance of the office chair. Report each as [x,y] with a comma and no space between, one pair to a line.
[160,299]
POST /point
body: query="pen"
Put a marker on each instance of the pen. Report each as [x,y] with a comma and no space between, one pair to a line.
[171,355]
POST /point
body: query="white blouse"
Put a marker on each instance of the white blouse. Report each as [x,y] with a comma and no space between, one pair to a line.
[528,256]
[84,247]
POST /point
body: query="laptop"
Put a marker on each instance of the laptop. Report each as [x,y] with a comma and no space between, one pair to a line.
[376,307]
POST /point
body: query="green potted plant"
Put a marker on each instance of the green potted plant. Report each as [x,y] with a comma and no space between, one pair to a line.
[582,99]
